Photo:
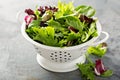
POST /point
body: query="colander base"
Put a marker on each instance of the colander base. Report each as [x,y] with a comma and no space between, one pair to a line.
[59,67]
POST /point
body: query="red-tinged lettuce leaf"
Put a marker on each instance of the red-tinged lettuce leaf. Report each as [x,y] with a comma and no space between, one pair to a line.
[99,67]
[29,11]
[28,19]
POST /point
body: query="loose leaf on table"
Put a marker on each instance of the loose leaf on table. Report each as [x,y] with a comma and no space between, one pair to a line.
[98,50]
[107,73]
[86,69]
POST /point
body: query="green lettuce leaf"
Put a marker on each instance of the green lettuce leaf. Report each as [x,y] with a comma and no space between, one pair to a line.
[92,30]
[55,24]
[64,9]
[107,73]
[85,10]
[44,35]
[74,22]
[98,50]
[85,36]
[72,36]
[35,23]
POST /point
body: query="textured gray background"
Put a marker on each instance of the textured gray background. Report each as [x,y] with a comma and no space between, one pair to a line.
[18,57]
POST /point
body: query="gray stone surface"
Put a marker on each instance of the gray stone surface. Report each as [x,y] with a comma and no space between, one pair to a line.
[18,57]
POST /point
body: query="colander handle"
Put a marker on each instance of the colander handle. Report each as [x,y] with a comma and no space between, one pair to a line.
[18,16]
[103,40]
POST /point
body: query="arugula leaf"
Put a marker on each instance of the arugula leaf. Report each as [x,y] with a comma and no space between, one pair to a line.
[85,10]
[107,73]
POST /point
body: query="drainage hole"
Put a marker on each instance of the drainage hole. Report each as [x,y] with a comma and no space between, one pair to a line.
[65,52]
[52,54]
[55,55]
[68,53]
[65,55]
[55,52]
[55,58]
[60,60]
[60,54]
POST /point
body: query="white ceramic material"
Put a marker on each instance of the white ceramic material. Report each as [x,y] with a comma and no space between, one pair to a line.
[62,59]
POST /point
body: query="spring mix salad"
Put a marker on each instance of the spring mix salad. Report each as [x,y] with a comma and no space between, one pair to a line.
[64,25]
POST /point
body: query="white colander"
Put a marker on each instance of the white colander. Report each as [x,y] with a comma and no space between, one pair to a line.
[62,59]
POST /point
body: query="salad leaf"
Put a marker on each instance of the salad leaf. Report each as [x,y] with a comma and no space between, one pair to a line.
[84,37]
[73,36]
[85,10]
[37,13]
[107,73]
[59,26]
[35,23]
[64,9]
[55,24]
[47,15]
[74,22]
[92,30]
[45,35]
[86,69]
[98,50]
